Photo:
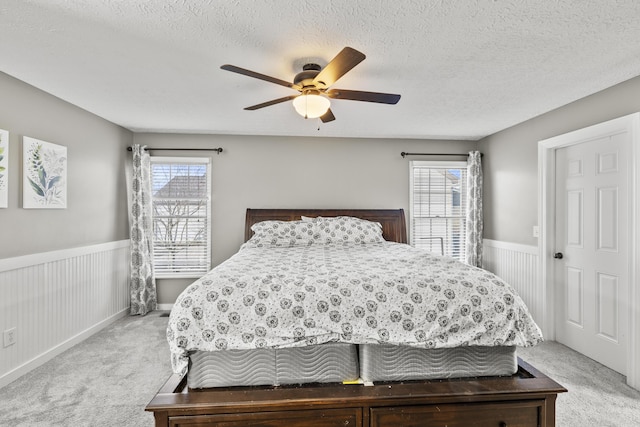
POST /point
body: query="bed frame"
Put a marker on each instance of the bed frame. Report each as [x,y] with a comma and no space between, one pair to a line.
[526,398]
[392,220]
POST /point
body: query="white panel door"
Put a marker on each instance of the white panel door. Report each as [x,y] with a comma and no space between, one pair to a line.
[592,235]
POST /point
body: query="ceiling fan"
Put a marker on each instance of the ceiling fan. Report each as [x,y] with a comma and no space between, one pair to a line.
[313,83]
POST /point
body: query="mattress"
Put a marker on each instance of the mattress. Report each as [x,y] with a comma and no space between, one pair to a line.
[324,363]
[401,363]
[284,297]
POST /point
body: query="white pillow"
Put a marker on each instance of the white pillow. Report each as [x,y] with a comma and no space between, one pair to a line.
[282,234]
[346,229]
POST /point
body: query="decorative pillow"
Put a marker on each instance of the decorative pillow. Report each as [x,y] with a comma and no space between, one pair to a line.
[282,234]
[346,229]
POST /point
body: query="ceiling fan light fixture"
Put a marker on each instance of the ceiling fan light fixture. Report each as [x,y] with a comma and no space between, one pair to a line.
[313,84]
[311,105]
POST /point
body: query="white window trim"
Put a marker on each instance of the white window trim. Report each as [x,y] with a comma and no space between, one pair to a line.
[191,160]
[427,163]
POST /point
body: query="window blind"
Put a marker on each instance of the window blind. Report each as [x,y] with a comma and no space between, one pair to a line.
[438,207]
[181,216]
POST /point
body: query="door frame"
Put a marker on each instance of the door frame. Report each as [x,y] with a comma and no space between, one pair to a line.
[546,218]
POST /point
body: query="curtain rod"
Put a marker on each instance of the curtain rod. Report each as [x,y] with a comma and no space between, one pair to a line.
[219,150]
[404,154]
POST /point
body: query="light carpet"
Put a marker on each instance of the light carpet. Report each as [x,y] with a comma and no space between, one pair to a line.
[108,380]
[598,396]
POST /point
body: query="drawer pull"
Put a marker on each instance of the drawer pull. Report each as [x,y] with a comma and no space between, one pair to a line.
[503,424]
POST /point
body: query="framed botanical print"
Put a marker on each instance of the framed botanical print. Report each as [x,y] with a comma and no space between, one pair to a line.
[44,175]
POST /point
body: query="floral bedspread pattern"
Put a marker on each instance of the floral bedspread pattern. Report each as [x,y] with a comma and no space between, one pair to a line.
[357,293]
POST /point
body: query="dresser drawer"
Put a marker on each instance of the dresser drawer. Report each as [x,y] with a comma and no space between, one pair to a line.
[313,418]
[511,414]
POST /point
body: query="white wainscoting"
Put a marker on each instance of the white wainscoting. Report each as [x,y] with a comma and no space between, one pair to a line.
[57,299]
[517,265]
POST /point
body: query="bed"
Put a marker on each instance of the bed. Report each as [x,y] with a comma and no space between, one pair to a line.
[511,390]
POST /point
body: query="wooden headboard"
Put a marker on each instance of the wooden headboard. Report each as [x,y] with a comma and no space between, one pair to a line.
[394,228]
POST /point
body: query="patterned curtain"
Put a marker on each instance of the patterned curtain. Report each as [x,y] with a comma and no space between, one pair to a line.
[143,283]
[474,209]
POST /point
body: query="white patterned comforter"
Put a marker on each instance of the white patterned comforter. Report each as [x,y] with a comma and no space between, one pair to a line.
[355,293]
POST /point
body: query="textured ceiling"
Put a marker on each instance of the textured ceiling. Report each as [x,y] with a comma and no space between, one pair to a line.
[465,69]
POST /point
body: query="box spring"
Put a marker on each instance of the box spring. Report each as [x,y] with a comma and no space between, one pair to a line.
[324,363]
[402,363]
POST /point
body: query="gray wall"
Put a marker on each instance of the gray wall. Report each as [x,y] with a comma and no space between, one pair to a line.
[510,164]
[289,172]
[96,206]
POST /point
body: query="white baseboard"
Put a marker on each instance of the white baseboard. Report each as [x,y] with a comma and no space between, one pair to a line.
[43,358]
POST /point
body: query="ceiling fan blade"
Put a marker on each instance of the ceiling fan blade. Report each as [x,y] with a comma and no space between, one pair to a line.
[255,75]
[272,102]
[338,67]
[357,95]
[328,116]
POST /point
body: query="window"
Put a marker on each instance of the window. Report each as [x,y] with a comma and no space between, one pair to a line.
[181,216]
[438,205]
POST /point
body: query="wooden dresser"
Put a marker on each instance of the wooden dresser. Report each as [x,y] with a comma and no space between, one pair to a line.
[524,399]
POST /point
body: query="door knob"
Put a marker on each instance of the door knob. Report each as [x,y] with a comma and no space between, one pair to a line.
[558,255]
